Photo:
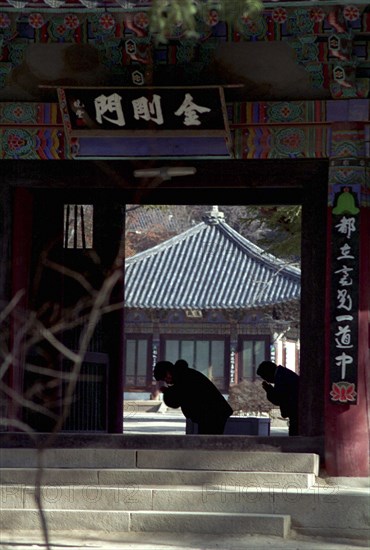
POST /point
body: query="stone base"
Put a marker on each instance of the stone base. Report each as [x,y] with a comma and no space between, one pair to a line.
[239,425]
[297,444]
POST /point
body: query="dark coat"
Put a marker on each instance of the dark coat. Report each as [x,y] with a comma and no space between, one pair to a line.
[197,396]
[284,393]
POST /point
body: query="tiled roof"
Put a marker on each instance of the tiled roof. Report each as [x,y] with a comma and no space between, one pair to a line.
[209,266]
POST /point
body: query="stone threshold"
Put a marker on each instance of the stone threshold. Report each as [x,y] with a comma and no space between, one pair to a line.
[297,444]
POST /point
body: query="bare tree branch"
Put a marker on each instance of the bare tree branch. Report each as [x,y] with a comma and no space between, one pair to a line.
[18,398]
[11,305]
[22,426]
[59,346]
[30,331]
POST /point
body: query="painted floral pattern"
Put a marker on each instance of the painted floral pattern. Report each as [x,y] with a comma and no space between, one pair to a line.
[285,111]
[290,141]
[253,26]
[71,21]
[317,15]
[60,29]
[107,21]
[17,143]
[141,20]
[351,13]
[343,392]
[279,15]
[36,20]
[18,112]
[4,21]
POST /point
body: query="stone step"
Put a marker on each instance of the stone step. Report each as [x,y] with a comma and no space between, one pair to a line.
[145,476]
[183,459]
[230,460]
[209,498]
[322,510]
[147,521]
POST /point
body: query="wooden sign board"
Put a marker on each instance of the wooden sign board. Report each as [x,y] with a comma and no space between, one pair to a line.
[129,119]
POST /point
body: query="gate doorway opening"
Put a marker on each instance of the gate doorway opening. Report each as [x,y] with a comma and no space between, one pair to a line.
[35,203]
[174,307]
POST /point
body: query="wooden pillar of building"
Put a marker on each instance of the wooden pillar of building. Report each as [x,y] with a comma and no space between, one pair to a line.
[312,358]
[347,303]
[108,225]
[21,247]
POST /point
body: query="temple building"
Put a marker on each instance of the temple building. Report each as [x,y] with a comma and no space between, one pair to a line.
[213,298]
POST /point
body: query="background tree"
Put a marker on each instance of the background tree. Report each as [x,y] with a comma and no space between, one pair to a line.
[276,229]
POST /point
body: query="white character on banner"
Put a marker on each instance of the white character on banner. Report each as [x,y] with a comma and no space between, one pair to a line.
[345,279]
[343,340]
[341,318]
[110,104]
[148,110]
[347,226]
[342,361]
[345,253]
[344,299]
[191,110]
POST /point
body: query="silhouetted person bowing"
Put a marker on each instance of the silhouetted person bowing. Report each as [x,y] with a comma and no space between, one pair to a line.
[284,392]
[197,396]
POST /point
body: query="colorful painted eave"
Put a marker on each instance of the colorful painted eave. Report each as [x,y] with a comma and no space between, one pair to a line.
[128,5]
[329,40]
[260,130]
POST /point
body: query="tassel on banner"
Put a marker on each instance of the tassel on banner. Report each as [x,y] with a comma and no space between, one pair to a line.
[17,4]
[54,3]
[89,3]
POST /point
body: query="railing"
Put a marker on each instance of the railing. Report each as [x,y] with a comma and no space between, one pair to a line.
[88,411]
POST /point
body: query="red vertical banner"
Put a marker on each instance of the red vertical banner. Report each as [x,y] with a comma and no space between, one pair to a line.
[344,307]
[347,304]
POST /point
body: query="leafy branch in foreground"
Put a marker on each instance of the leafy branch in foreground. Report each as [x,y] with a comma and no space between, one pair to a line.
[169,16]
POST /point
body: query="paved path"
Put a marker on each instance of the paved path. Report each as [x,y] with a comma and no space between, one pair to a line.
[171,422]
[174,541]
